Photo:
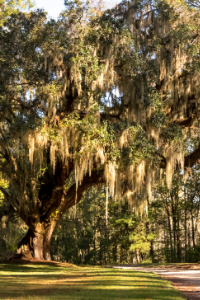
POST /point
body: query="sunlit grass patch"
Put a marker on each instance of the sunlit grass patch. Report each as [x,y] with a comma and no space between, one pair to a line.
[42,281]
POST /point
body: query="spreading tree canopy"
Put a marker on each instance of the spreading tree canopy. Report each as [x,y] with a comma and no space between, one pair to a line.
[97,97]
[8,7]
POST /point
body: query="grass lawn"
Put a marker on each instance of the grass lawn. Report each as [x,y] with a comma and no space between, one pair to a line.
[45,281]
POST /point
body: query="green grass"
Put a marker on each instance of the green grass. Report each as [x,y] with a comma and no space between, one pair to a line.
[43,281]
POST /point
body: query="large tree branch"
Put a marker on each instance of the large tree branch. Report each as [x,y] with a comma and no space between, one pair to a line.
[29,107]
[107,116]
[53,188]
[71,198]
[189,161]
[193,158]
[74,195]
[188,122]
[3,190]
[9,151]
[8,197]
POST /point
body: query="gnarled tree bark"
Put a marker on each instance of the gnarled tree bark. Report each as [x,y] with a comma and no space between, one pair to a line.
[38,238]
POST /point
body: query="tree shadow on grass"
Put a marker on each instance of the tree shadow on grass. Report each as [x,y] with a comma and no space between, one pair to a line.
[36,262]
[85,271]
[30,268]
[82,283]
[40,275]
[82,293]
[66,280]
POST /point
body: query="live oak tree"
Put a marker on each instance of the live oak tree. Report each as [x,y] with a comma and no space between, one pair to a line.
[98,97]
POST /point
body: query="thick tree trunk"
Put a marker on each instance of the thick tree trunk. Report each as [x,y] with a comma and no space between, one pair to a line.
[46,251]
[37,242]
[47,240]
[26,244]
[54,198]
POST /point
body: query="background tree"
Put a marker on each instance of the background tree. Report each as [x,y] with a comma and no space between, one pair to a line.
[170,232]
[84,236]
[95,98]
[174,216]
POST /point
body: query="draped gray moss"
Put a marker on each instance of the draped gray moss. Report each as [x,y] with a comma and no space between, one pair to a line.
[108,98]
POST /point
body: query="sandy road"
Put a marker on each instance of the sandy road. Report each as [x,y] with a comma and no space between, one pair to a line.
[187,281]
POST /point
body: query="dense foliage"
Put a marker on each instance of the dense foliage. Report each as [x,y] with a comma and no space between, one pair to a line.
[97,97]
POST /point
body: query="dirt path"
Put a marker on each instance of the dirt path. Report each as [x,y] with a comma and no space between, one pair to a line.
[184,279]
